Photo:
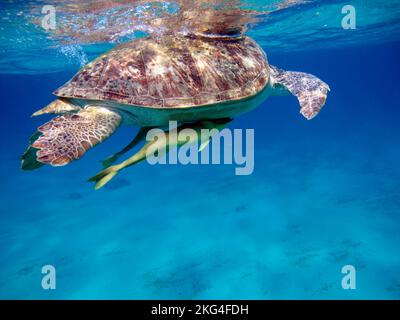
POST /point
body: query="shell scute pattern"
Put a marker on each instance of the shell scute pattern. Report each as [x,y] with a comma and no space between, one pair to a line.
[173,72]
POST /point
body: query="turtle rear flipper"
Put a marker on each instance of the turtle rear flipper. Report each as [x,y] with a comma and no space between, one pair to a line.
[67,137]
[309,90]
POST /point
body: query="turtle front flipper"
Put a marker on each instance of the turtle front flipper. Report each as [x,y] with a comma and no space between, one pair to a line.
[309,90]
[67,137]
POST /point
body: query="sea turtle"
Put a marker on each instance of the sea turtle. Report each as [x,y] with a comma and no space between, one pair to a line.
[197,80]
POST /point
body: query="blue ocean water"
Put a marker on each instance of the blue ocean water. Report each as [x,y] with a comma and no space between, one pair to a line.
[323,194]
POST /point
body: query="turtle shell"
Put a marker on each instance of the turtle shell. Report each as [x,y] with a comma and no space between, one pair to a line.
[173,72]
